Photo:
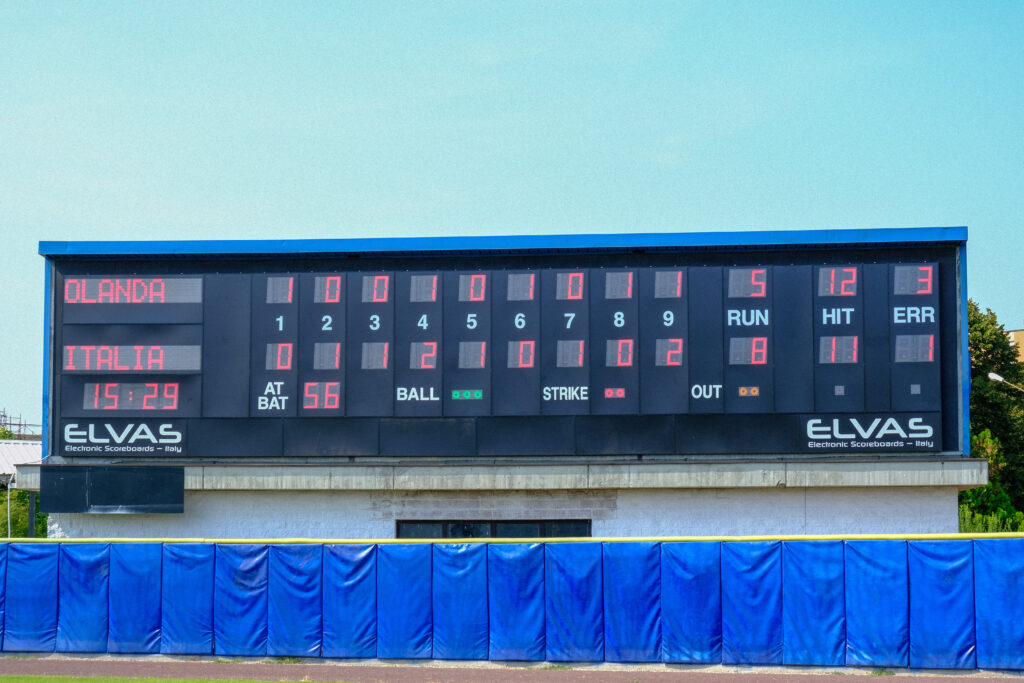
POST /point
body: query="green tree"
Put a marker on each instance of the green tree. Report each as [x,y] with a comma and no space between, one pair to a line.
[997,413]
[19,507]
[991,499]
[19,515]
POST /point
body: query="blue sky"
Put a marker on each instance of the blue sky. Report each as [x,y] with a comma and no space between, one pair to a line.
[290,120]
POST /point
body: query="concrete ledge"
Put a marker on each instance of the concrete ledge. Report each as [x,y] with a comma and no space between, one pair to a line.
[687,475]
[294,478]
[961,473]
[964,474]
[492,478]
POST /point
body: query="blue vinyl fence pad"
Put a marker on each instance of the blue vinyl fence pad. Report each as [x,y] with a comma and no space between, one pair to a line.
[186,605]
[30,619]
[573,602]
[875,573]
[350,601]
[240,600]
[632,602]
[813,604]
[515,601]
[460,626]
[752,603]
[404,616]
[999,602]
[942,605]
[691,602]
[295,601]
[84,573]
[135,578]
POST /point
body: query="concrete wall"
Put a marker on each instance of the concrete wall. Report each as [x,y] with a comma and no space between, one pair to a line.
[622,512]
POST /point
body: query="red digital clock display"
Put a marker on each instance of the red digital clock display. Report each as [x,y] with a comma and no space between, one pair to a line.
[130,396]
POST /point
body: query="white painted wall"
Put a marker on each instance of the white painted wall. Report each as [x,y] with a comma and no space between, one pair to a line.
[746,512]
[624,513]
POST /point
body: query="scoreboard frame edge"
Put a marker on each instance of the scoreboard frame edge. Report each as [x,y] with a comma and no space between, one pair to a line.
[842,239]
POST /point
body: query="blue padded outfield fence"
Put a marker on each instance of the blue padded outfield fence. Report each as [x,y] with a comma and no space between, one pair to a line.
[947,604]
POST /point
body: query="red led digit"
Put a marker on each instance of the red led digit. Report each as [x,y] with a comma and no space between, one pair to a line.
[624,353]
[532,276]
[332,395]
[931,346]
[926,281]
[679,283]
[855,349]
[759,351]
[171,394]
[674,353]
[433,289]
[833,356]
[477,287]
[291,287]
[483,354]
[380,288]
[428,360]
[851,281]
[756,283]
[284,357]
[337,355]
[384,365]
[629,285]
[146,397]
[310,400]
[110,392]
[96,396]
[575,286]
[579,362]
[332,289]
[526,358]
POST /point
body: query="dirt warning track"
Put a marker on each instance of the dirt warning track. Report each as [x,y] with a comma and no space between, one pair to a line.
[434,672]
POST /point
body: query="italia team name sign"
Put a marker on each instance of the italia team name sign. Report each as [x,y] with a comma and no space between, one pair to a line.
[608,345]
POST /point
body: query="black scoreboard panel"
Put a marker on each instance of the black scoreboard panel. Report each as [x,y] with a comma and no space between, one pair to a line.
[501,354]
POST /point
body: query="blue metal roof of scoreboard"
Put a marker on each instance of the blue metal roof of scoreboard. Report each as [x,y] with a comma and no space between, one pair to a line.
[770,239]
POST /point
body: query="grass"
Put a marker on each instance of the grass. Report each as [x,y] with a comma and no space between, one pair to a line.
[556,667]
[105,679]
[882,672]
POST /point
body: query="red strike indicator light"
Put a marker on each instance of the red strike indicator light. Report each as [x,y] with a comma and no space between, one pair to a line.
[614,392]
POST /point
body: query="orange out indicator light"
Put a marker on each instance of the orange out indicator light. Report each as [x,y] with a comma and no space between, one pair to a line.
[750,391]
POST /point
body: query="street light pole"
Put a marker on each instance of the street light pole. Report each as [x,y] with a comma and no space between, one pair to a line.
[999,378]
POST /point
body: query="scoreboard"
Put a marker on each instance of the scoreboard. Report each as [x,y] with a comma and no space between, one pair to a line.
[796,343]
